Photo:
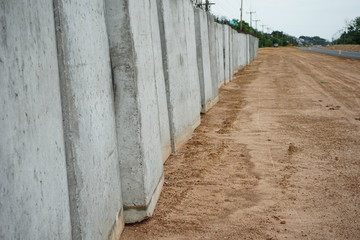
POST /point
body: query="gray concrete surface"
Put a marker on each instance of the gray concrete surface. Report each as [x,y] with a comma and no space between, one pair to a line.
[33,186]
[180,68]
[227,70]
[255,47]
[231,48]
[84,136]
[355,55]
[248,50]
[244,51]
[203,60]
[139,79]
[89,122]
[213,55]
[220,53]
[235,51]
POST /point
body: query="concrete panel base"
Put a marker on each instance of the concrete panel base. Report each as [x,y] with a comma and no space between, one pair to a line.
[166,152]
[186,135]
[209,105]
[140,213]
[118,226]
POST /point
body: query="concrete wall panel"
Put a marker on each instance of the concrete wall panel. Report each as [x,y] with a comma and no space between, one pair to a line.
[140,103]
[180,68]
[33,185]
[244,50]
[89,121]
[235,50]
[231,47]
[213,55]
[227,70]
[248,49]
[220,53]
[203,60]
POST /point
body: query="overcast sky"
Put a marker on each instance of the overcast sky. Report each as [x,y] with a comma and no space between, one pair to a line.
[322,18]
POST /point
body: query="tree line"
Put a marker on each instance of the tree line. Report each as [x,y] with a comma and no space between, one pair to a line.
[275,38]
[351,33]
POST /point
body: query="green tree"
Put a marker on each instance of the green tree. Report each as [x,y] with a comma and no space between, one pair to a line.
[265,39]
[352,33]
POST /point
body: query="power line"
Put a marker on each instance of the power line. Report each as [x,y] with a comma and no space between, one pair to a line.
[256,21]
[263,25]
[251,13]
[206,6]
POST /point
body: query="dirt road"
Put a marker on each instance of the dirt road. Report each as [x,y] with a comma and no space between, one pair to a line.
[277,158]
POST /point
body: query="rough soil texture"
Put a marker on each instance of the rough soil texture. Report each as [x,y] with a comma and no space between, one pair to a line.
[347,48]
[277,158]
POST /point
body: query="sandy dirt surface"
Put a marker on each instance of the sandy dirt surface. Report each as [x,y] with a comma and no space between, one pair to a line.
[348,48]
[277,158]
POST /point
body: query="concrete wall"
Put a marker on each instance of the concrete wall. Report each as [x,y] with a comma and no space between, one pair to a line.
[95,95]
[89,123]
[34,202]
[178,39]
[140,103]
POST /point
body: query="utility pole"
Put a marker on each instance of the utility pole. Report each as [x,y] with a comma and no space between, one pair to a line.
[205,6]
[256,21]
[263,25]
[241,15]
[251,13]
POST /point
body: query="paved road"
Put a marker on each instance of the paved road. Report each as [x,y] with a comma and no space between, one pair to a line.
[355,55]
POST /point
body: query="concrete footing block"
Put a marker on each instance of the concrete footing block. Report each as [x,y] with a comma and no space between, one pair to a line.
[180,139]
[205,108]
[118,226]
[166,152]
[139,213]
